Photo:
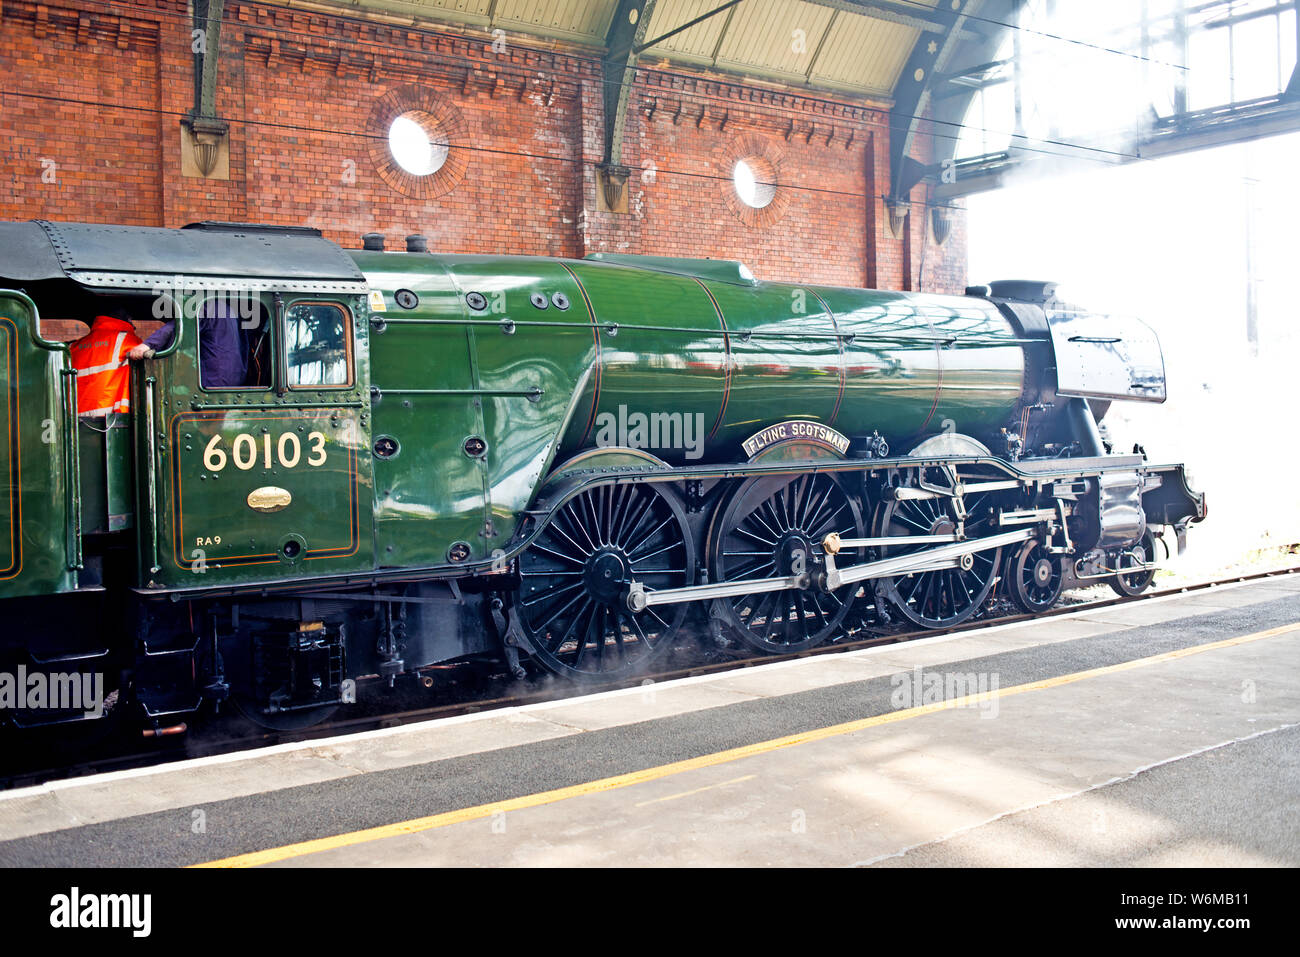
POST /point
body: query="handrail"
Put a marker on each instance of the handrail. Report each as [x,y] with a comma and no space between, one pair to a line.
[48,344]
[150,465]
[72,467]
[178,324]
[281,383]
[613,328]
[71,448]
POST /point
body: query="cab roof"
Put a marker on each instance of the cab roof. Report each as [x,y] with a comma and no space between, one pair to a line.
[127,257]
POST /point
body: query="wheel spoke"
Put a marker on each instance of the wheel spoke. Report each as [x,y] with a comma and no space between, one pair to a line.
[626,499]
[811,516]
[570,630]
[553,592]
[759,611]
[546,551]
[655,615]
[815,530]
[571,518]
[636,626]
[581,596]
[588,506]
[631,526]
[798,603]
[633,549]
[777,606]
[923,529]
[757,538]
[556,529]
[607,500]
[659,551]
[812,504]
[749,571]
[761,522]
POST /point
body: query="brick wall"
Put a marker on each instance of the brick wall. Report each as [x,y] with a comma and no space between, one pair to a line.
[305,95]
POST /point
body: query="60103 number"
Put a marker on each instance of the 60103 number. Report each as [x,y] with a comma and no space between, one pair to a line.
[245,453]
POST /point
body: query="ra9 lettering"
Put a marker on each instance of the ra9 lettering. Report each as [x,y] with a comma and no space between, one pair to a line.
[247,452]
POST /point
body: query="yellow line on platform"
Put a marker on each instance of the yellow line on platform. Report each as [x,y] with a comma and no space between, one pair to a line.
[707,787]
[481,811]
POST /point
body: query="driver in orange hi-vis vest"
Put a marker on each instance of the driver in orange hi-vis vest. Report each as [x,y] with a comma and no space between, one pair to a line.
[103,370]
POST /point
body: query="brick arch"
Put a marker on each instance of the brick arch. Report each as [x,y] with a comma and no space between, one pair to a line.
[448,121]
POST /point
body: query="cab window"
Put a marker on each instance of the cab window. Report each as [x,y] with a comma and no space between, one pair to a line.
[318,346]
[234,343]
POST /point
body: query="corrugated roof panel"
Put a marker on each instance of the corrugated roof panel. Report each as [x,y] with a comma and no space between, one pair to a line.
[447,8]
[775,35]
[865,53]
[580,18]
[697,42]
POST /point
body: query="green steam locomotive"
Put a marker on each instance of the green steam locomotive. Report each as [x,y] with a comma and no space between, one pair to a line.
[569,465]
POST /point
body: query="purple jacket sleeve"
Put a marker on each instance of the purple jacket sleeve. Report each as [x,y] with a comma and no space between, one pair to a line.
[162,337]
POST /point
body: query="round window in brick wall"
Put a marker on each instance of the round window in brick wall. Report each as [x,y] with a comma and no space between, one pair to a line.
[752,185]
[417,142]
[755,181]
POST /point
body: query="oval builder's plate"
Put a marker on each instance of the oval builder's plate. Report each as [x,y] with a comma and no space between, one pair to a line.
[269,498]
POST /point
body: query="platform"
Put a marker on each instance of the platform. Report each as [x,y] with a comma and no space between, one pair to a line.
[1163,732]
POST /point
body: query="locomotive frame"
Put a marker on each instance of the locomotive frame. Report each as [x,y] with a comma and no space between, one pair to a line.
[447,499]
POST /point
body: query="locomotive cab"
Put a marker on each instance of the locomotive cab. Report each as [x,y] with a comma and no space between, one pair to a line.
[247,426]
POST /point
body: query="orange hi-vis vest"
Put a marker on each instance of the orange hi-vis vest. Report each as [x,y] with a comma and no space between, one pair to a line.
[103,370]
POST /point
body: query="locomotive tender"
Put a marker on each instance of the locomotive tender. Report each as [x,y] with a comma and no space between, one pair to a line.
[568,463]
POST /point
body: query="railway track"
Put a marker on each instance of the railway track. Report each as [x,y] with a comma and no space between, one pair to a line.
[502,692]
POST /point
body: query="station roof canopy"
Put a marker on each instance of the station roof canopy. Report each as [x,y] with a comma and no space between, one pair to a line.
[853,46]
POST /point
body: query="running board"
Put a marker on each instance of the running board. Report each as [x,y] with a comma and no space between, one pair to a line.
[833,578]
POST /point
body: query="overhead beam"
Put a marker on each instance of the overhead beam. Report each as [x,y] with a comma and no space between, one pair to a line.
[207,133]
[722,36]
[624,42]
[207,55]
[917,110]
[929,57]
[1293,86]
[812,61]
[1204,129]
[728,6]
[618,69]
